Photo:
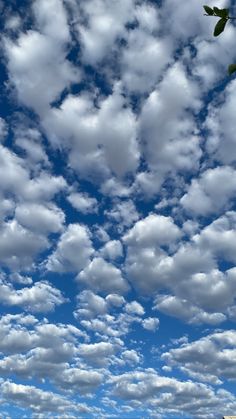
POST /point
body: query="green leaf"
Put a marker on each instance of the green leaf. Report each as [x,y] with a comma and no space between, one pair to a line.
[208,10]
[231,69]
[224,13]
[219,28]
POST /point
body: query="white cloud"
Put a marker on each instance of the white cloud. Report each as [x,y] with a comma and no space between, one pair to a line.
[170,142]
[97,353]
[102,276]
[37,60]
[168,395]
[100,139]
[19,246]
[211,358]
[40,297]
[212,192]
[145,56]
[151,323]
[90,305]
[131,356]
[112,250]
[38,400]
[73,251]
[123,212]
[154,230]
[40,218]
[134,308]
[3,129]
[83,203]
[106,21]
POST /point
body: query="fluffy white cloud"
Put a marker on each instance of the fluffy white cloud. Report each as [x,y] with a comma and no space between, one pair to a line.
[73,251]
[97,353]
[37,60]
[124,213]
[100,139]
[134,308]
[19,246]
[211,358]
[16,177]
[169,135]
[212,192]
[154,230]
[105,23]
[145,55]
[40,297]
[90,304]
[39,401]
[83,203]
[103,277]
[151,323]
[40,218]
[167,395]
[112,250]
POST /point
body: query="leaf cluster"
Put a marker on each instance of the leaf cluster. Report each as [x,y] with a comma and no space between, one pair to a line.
[223,14]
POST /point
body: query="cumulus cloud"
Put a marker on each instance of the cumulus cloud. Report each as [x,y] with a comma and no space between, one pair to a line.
[73,251]
[40,297]
[210,358]
[102,276]
[19,246]
[212,192]
[168,395]
[37,60]
[83,203]
[40,401]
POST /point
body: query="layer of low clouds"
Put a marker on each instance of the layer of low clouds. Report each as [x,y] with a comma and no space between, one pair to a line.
[117,210]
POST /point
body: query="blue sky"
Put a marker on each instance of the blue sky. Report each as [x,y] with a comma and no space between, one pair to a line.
[117,212]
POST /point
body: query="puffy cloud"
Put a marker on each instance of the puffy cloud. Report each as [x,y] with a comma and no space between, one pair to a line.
[40,218]
[73,251]
[212,192]
[164,127]
[19,246]
[3,129]
[131,356]
[211,358]
[151,323]
[219,237]
[83,203]
[97,353]
[84,380]
[39,401]
[90,304]
[168,395]
[184,309]
[103,277]
[105,23]
[37,60]
[16,177]
[145,55]
[134,308]
[124,213]
[40,297]
[112,250]
[154,230]
[100,139]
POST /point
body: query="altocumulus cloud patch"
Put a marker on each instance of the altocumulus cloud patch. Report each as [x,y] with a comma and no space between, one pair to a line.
[117,211]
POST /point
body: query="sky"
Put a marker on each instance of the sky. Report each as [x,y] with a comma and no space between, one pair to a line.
[117,210]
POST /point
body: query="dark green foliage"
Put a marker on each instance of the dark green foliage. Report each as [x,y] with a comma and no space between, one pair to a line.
[231,69]
[224,13]
[219,28]
[209,10]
